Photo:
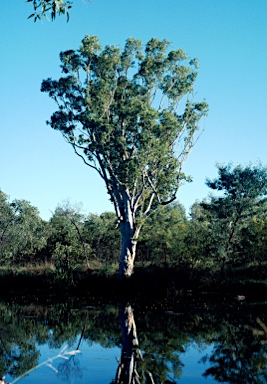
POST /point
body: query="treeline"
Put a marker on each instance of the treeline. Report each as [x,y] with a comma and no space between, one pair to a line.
[229,229]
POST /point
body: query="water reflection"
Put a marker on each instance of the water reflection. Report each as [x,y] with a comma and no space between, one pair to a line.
[239,354]
[137,366]
[153,340]
[130,351]
[70,369]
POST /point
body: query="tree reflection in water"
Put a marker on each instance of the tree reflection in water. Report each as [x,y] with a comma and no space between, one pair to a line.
[71,368]
[18,351]
[152,340]
[134,365]
[130,352]
[239,355]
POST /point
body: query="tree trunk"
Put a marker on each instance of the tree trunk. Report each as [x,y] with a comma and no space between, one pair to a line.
[128,249]
[125,209]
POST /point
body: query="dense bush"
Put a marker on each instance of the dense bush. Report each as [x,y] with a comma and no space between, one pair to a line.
[228,229]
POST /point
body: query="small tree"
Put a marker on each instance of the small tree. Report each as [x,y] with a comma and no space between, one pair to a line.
[64,244]
[73,214]
[122,112]
[22,231]
[244,196]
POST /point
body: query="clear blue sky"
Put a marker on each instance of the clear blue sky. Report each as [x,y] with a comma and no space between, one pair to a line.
[229,37]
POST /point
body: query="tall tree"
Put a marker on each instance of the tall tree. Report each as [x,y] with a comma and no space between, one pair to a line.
[130,115]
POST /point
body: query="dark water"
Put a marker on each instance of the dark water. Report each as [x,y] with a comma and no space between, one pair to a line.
[92,341]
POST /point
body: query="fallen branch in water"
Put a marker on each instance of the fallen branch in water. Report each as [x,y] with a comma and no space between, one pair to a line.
[64,354]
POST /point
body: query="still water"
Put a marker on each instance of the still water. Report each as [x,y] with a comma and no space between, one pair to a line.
[188,342]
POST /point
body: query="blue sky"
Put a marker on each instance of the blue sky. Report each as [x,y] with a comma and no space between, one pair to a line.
[229,37]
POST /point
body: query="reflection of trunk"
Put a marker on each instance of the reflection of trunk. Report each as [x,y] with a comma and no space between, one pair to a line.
[4,347]
[82,333]
[130,354]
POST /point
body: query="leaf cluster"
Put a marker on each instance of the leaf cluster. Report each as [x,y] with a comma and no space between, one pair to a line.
[53,7]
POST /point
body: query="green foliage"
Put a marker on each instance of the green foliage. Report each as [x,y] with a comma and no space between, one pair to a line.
[254,240]
[53,7]
[223,222]
[22,231]
[103,237]
[73,214]
[163,237]
[242,184]
[225,232]
[119,111]
[64,244]
[198,238]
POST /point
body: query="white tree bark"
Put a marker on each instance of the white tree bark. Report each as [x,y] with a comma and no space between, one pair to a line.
[129,234]
[128,249]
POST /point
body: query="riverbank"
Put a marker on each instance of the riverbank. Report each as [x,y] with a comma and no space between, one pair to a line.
[155,281]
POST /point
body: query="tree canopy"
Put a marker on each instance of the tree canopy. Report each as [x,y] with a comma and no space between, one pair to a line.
[130,115]
[241,182]
[22,231]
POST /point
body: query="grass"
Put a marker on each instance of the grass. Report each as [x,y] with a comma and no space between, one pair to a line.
[30,268]
[157,280]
